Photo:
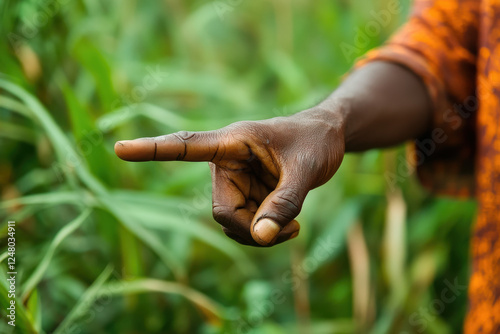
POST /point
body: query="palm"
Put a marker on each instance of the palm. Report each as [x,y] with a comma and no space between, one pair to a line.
[239,188]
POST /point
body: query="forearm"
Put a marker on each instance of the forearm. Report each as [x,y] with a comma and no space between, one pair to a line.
[263,170]
[382,104]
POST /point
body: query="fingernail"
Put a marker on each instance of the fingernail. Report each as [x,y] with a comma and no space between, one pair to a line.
[135,150]
[266,230]
[294,235]
[118,148]
[119,145]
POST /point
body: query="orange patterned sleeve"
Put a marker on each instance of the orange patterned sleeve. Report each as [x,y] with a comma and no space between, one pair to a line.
[439,44]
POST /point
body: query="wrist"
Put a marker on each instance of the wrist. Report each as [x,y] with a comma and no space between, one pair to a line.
[335,112]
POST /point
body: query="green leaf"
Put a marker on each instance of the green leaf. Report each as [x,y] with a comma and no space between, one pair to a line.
[153,285]
[165,218]
[70,323]
[37,275]
[332,240]
[13,105]
[55,198]
[34,308]
[89,139]
[66,154]
[17,132]
[93,60]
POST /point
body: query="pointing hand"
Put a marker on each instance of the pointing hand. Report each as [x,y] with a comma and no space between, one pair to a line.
[261,170]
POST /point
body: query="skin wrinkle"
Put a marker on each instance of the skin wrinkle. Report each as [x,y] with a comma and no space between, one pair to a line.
[223,154]
[215,154]
[221,211]
[275,164]
[246,194]
[250,152]
[259,172]
[227,215]
[251,194]
[261,190]
[181,156]
[291,206]
[236,238]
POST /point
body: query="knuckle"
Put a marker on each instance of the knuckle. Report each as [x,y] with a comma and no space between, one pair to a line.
[241,125]
[222,214]
[288,203]
[229,233]
[246,129]
[184,135]
[241,239]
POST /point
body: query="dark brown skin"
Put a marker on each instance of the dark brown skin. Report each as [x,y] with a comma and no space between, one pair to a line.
[263,170]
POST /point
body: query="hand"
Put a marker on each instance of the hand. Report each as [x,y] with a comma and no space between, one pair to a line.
[261,170]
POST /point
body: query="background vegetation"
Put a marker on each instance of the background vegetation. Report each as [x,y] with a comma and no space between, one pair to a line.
[105,246]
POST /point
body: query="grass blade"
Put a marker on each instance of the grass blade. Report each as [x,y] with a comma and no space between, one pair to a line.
[37,275]
[13,105]
[210,307]
[61,197]
[85,302]
[34,308]
[17,132]
[64,150]
[149,239]
[163,218]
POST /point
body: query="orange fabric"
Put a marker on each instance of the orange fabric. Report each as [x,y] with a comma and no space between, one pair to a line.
[454,46]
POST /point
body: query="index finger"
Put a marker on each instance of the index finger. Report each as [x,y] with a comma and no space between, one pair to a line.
[184,146]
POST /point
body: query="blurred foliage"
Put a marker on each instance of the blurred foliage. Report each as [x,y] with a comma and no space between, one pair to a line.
[105,246]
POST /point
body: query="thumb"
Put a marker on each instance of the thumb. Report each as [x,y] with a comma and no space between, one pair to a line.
[277,212]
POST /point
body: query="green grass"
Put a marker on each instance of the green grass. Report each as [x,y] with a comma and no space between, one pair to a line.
[104,246]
